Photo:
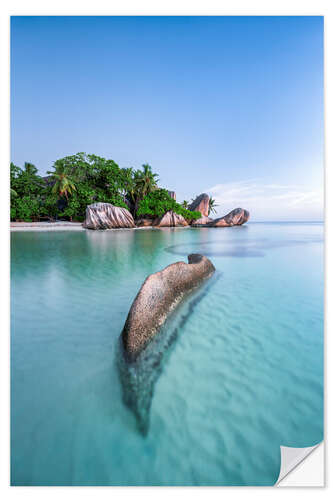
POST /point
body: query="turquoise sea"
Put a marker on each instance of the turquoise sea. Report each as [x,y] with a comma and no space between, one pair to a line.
[236,372]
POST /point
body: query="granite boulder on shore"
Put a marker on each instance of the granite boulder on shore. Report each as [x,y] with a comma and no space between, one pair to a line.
[202,221]
[144,222]
[200,204]
[170,219]
[236,217]
[107,216]
[160,293]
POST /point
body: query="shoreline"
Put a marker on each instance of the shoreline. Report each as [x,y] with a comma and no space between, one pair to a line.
[77,226]
[74,226]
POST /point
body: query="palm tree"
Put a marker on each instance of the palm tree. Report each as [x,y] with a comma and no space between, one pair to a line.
[212,205]
[31,171]
[145,181]
[63,184]
[30,168]
[132,184]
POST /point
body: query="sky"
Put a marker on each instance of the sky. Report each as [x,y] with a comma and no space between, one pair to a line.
[231,106]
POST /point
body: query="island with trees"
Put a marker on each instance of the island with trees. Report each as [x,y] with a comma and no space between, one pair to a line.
[97,192]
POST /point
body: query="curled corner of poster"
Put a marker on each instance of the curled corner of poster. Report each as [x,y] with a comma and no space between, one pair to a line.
[292,458]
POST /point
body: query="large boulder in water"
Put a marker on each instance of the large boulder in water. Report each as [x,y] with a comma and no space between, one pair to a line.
[170,219]
[200,204]
[236,217]
[107,216]
[202,221]
[158,296]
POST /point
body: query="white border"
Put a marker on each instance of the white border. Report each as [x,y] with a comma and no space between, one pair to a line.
[144,7]
[170,7]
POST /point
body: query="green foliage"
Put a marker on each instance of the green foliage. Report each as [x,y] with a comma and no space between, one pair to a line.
[25,208]
[26,181]
[49,208]
[27,192]
[158,202]
[145,180]
[79,180]
[212,205]
[141,183]
[63,185]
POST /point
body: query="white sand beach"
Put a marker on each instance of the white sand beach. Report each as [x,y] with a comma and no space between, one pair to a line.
[46,226]
[76,226]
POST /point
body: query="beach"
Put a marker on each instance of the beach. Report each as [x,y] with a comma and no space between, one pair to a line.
[46,226]
[74,226]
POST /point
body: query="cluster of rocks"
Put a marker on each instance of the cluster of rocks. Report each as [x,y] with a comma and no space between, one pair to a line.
[107,216]
[236,217]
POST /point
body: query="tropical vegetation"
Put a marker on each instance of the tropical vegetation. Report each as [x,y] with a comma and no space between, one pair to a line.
[158,202]
[212,206]
[78,180]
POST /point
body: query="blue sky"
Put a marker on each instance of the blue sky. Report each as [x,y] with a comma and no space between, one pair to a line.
[228,105]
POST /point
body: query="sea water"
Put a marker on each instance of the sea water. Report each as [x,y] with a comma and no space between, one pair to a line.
[240,362]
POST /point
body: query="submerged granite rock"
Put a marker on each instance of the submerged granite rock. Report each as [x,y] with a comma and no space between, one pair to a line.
[202,221]
[170,219]
[236,217]
[157,297]
[200,204]
[138,379]
[107,216]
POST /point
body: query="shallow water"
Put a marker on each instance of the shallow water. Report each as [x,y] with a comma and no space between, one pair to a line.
[241,371]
